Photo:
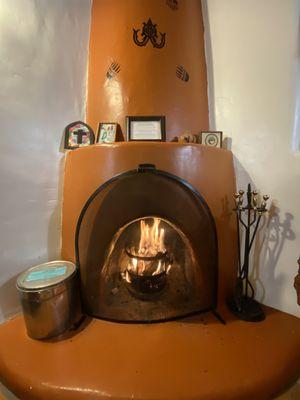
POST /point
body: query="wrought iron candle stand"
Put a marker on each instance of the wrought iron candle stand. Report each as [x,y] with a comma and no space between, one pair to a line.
[242,304]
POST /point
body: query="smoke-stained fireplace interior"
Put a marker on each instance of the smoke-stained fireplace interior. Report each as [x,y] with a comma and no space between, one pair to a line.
[146,248]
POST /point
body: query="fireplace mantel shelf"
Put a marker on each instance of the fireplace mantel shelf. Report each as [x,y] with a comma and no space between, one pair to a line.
[192,358]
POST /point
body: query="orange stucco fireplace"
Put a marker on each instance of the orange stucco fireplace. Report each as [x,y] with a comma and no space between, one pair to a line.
[195,357]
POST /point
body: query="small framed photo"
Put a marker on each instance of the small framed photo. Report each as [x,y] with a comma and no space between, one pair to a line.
[107,132]
[78,134]
[212,138]
[146,128]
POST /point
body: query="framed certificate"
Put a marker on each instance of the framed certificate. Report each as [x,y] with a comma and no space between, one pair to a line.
[151,128]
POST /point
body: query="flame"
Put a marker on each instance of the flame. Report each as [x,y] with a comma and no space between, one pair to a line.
[127,277]
[150,244]
[152,239]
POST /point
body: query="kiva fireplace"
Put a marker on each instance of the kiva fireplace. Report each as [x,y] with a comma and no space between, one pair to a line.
[146,248]
[153,243]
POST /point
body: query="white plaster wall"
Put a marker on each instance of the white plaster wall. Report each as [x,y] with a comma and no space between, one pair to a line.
[43,64]
[253,52]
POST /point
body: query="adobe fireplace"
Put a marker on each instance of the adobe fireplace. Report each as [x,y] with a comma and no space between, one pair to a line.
[146,248]
[194,358]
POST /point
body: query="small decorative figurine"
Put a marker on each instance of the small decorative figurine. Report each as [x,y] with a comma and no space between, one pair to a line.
[297,283]
[188,137]
[78,134]
[242,304]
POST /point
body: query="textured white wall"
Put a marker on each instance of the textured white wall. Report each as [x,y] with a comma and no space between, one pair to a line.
[43,47]
[253,50]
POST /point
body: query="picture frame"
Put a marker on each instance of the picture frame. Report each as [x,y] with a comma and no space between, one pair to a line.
[78,134]
[146,128]
[107,132]
[212,138]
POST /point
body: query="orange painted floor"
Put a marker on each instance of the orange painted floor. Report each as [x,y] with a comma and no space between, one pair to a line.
[193,358]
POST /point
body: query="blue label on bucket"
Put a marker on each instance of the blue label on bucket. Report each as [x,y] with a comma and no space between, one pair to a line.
[46,274]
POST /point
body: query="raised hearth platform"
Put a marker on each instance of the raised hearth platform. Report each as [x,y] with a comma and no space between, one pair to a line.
[192,358]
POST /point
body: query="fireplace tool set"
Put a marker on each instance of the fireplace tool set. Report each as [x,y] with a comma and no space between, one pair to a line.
[248,216]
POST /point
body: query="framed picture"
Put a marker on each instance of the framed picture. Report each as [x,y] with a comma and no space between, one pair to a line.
[107,132]
[78,134]
[212,138]
[150,128]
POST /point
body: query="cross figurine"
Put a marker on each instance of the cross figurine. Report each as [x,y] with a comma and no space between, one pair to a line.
[80,133]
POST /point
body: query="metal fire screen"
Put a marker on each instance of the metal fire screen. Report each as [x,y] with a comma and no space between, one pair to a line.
[146,247]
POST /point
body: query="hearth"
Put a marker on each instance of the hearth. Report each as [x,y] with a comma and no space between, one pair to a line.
[146,248]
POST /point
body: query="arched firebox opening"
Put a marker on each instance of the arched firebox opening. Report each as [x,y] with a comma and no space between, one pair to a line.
[146,247]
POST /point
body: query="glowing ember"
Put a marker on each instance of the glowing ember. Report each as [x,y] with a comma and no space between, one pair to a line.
[151,246]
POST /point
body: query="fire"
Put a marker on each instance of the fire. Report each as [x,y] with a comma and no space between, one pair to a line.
[152,239]
[151,245]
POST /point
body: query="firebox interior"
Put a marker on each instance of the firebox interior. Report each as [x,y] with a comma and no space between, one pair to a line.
[146,248]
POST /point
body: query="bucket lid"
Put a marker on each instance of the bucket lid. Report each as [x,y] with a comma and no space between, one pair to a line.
[44,275]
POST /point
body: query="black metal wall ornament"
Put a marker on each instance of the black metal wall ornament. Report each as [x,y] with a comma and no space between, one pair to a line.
[113,70]
[242,303]
[182,74]
[149,32]
[173,4]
